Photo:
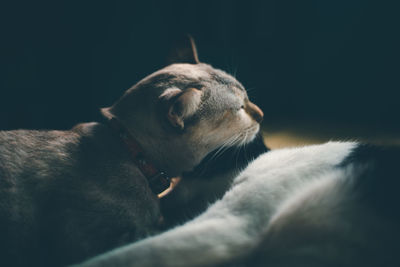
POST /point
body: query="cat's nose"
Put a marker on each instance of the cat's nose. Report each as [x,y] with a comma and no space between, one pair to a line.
[255,112]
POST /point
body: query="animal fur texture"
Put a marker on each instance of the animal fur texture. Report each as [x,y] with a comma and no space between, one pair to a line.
[69,195]
[334,204]
[208,182]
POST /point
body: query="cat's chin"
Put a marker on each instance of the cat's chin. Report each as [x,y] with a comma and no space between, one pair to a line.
[249,134]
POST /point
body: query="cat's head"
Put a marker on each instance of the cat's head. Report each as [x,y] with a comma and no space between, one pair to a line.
[185,110]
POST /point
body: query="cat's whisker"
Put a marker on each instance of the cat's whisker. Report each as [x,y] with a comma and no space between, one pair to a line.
[238,140]
[227,144]
[235,71]
[232,142]
[251,89]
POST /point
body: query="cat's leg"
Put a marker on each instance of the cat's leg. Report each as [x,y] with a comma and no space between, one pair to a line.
[207,241]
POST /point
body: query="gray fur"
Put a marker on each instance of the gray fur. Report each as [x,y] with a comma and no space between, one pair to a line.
[62,193]
[69,195]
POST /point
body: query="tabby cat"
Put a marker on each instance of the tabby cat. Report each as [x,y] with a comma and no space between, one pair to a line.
[69,195]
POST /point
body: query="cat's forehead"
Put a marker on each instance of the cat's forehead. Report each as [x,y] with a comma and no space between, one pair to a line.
[199,73]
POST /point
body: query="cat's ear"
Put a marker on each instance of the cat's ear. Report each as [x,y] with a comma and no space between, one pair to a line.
[180,105]
[184,51]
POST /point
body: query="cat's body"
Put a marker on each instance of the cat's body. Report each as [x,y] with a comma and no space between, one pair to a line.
[334,204]
[69,195]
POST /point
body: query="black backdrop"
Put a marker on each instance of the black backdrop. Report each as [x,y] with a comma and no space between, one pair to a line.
[334,62]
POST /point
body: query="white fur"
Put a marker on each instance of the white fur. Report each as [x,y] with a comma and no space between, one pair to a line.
[268,190]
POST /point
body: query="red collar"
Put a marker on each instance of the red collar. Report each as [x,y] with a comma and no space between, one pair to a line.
[159,181]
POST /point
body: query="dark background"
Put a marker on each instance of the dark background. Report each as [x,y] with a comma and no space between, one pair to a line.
[304,62]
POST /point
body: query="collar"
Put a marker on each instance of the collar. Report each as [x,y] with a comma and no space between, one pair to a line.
[159,181]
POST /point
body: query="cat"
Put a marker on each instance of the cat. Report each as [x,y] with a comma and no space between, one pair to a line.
[334,204]
[207,183]
[68,195]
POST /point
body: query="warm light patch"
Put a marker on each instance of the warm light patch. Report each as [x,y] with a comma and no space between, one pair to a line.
[306,136]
